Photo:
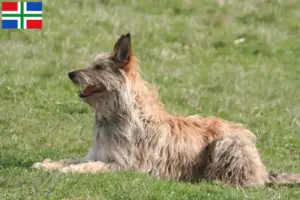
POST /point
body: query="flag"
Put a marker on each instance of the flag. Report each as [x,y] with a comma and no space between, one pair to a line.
[22,15]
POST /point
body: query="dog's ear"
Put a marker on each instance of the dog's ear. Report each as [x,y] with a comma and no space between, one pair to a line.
[122,50]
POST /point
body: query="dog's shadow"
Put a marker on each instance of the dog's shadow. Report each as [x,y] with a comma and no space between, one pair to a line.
[23,160]
[10,162]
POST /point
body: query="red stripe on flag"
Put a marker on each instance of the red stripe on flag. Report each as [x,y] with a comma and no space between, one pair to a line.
[9,6]
[34,24]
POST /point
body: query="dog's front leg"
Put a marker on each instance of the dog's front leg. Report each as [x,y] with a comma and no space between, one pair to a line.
[47,164]
[90,167]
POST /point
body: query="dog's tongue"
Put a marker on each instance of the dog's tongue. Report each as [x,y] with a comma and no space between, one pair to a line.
[88,90]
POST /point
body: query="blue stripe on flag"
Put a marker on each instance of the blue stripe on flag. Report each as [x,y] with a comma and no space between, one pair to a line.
[34,6]
[9,24]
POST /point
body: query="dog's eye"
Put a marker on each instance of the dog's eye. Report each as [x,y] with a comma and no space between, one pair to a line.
[97,66]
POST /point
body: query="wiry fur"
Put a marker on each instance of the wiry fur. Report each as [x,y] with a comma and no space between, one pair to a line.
[134,132]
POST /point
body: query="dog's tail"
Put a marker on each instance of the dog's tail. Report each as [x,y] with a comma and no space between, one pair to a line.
[283,178]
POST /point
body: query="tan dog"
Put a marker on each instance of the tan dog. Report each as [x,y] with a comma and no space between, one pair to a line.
[134,132]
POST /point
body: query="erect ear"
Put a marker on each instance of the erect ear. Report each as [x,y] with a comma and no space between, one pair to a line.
[122,50]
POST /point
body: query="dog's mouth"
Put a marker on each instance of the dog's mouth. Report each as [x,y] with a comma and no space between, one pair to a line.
[89,90]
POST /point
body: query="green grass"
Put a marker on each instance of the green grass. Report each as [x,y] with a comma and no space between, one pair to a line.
[187,50]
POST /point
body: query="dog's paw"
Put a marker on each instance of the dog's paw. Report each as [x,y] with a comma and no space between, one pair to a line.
[38,165]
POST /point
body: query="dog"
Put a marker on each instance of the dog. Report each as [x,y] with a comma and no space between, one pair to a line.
[133,132]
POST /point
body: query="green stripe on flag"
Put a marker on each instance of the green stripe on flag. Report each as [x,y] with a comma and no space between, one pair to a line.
[22,18]
[18,15]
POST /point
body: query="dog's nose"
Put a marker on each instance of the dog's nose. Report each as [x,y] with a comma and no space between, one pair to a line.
[71,75]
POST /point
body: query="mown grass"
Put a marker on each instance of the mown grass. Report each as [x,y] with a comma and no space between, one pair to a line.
[187,49]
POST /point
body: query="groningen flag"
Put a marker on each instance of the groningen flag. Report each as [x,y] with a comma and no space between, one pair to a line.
[22,15]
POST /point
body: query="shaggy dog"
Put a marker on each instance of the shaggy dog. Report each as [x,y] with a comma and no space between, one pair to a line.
[133,132]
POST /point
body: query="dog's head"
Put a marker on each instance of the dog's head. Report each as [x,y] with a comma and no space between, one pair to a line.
[105,75]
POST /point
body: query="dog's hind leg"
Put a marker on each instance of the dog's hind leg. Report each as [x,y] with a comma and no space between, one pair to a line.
[234,159]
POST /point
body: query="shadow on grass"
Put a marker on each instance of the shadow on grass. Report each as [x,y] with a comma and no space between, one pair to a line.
[24,159]
[13,163]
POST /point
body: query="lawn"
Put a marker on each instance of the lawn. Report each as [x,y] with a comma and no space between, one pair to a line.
[238,60]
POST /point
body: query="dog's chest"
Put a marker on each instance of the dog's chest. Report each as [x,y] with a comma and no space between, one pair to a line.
[102,146]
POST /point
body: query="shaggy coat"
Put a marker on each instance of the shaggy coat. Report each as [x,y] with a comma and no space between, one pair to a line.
[134,132]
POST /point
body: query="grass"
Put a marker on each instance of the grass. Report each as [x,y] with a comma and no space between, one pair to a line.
[188,50]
